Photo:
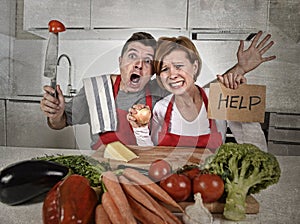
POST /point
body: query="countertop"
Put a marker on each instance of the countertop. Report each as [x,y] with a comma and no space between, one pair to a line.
[279,203]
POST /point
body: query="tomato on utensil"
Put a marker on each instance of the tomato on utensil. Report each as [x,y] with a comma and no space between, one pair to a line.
[178,186]
[211,187]
[56,26]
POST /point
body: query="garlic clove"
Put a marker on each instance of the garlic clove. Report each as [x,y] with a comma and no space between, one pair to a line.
[197,213]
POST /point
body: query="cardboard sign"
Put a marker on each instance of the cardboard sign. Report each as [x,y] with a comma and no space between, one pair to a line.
[245,104]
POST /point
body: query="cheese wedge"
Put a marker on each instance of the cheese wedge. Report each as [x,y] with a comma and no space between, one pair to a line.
[118,151]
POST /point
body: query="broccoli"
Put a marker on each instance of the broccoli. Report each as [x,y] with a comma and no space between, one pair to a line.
[245,170]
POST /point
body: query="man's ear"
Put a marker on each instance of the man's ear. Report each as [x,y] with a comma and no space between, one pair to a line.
[120,60]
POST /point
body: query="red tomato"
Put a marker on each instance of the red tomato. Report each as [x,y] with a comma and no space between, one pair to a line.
[178,186]
[211,187]
[159,169]
[192,173]
[56,26]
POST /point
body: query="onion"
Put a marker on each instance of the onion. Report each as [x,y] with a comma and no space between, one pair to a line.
[142,116]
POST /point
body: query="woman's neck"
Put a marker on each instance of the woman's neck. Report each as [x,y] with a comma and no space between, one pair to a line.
[189,103]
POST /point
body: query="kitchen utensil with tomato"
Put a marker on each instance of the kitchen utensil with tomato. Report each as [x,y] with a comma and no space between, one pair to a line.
[50,69]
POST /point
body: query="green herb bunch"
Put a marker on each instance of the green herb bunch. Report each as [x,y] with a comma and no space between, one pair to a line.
[82,165]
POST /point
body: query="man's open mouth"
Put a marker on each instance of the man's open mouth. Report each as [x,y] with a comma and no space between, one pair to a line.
[135,78]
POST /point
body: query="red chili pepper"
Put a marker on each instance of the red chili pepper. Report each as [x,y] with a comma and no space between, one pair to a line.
[73,201]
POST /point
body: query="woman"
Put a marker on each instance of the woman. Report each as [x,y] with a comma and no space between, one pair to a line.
[180,119]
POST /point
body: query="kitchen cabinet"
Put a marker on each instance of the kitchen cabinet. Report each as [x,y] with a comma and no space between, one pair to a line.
[27,127]
[37,14]
[2,123]
[106,13]
[28,67]
[104,19]
[5,9]
[284,134]
[6,6]
[228,15]
[139,14]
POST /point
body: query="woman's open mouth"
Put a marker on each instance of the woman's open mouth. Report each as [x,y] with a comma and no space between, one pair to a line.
[176,85]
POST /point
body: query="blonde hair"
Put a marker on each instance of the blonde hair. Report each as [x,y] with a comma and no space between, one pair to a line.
[165,45]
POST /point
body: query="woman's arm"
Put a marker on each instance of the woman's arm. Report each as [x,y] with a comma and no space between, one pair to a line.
[141,131]
[142,136]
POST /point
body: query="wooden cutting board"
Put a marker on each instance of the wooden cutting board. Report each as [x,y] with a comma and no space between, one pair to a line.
[177,157]
[252,206]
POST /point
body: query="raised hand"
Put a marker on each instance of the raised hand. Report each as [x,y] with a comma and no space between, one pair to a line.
[252,57]
[139,115]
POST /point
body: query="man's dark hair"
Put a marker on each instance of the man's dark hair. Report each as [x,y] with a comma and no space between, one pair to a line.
[145,38]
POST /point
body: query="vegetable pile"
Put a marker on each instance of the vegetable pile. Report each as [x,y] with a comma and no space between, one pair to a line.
[84,190]
[246,170]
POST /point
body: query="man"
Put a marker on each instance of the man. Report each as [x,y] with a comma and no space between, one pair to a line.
[132,86]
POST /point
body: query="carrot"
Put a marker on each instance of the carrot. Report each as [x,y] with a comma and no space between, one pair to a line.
[166,217]
[111,209]
[101,216]
[140,195]
[144,215]
[171,215]
[151,187]
[113,186]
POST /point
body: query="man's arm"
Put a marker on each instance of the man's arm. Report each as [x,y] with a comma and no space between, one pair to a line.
[57,124]
[248,59]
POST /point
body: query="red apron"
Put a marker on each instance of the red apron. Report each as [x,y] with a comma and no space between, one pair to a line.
[124,132]
[211,141]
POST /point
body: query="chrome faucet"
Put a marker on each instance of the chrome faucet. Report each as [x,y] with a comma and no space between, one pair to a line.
[70,90]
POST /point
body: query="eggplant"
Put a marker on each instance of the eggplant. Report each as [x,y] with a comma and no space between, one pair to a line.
[25,180]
